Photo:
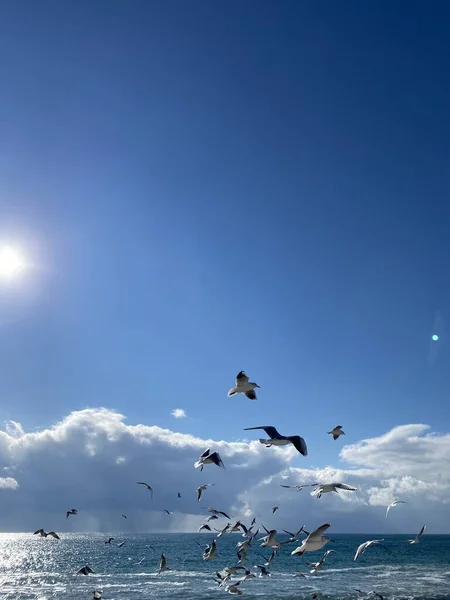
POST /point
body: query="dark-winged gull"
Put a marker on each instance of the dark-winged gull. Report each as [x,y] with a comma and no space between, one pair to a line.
[204,527]
[336,432]
[168,512]
[363,547]
[276,439]
[42,533]
[72,511]
[274,509]
[263,572]
[149,487]
[392,504]
[325,488]
[314,541]
[125,516]
[206,459]
[244,386]
[202,488]
[218,512]
[417,538]
[178,495]
[109,540]
[85,570]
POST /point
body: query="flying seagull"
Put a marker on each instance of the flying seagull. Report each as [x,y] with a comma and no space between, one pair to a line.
[42,533]
[120,545]
[274,509]
[331,487]
[363,547]
[125,516]
[392,504]
[336,432]
[201,489]
[315,541]
[294,536]
[206,459]
[417,538]
[85,570]
[244,386]
[212,518]
[276,439]
[298,487]
[178,495]
[318,565]
[263,571]
[168,512]
[149,487]
[109,540]
[204,527]
[211,551]
[72,511]
[233,588]
[162,564]
[218,512]
[270,540]
[269,560]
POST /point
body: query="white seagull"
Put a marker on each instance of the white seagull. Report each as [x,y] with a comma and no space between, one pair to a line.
[392,504]
[162,564]
[202,488]
[298,487]
[206,459]
[270,540]
[363,547]
[244,386]
[318,565]
[324,488]
[211,551]
[276,439]
[315,541]
[336,432]
[417,538]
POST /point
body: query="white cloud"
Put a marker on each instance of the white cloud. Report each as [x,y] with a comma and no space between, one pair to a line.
[92,459]
[179,413]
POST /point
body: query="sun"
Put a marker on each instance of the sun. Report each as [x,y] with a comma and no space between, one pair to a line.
[11,262]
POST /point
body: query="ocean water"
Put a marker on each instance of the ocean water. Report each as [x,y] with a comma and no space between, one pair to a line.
[44,569]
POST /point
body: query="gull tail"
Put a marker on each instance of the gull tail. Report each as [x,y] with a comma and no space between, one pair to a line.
[232,392]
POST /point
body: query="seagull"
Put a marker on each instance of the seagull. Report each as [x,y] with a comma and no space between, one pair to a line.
[271,557]
[97,595]
[315,541]
[244,386]
[336,432]
[212,518]
[233,589]
[276,439]
[125,516]
[270,540]
[294,536]
[224,530]
[120,545]
[324,488]
[363,547]
[178,495]
[206,459]
[109,540]
[168,512]
[317,565]
[85,570]
[72,511]
[274,509]
[218,512]
[204,527]
[392,504]
[42,533]
[162,564]
[263,571]
[211,551]
[300,575]
[149,487]
[202,488]
[417,538]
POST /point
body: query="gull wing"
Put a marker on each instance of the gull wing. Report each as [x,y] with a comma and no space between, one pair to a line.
[53,534]
[319,531]
[241,377]
[344,486]
[361,549]
[299,444]
[39,531]
[220,512]
[251,394]
[215,457]
[269,429]
[421,531]
[205,453]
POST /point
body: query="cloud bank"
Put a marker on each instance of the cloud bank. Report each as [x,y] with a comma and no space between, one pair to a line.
[92,459]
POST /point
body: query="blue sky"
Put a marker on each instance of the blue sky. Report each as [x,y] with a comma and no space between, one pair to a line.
[207,187]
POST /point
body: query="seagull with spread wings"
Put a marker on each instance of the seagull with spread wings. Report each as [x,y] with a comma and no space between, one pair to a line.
[244,386]
[325,488]
[336,432]
[276,439]
[202,488]
[206,459]
[314,541]
[417,538]
[149,487]
[392,504]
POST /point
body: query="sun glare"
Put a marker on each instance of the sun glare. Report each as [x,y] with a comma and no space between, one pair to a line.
[11,263]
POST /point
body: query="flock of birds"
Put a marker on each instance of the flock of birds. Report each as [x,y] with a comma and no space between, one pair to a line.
[230,578]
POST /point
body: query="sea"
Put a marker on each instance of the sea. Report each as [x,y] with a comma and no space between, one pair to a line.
[43,569]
